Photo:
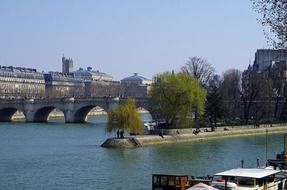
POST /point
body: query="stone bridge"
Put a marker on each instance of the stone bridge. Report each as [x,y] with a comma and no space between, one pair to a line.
[75,109]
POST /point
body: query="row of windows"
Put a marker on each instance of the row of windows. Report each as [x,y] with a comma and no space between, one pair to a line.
[8,79]
[20,86]
[22,75]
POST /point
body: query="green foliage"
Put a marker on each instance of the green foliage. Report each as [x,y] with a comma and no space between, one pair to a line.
[176,96]
[125,117]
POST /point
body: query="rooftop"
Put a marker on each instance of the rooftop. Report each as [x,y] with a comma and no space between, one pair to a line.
[135,77]
[89,71]
[248,172]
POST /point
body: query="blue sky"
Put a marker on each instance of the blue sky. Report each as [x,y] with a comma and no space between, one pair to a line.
[122,37]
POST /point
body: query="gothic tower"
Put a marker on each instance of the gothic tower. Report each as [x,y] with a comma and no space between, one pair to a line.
[67,65]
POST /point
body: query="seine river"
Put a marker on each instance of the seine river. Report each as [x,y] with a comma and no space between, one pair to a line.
[60,156]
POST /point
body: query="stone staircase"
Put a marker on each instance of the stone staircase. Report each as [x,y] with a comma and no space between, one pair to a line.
[135,142]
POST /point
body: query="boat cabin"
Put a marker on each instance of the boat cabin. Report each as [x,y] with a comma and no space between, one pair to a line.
[248,179]
[169,181]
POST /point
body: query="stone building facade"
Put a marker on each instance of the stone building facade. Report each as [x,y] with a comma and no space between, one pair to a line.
[135,86]
[265,57]
[61,85]
[102,88]
[18,82]
[271,66]
[90,75]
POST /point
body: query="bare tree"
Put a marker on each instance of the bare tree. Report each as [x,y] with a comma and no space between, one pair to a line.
[214,107]
[230,90]
[256,95]
[277,74]
[274,17]
[200,69]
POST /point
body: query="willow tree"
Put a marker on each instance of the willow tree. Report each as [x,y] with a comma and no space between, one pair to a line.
[175,97]
[125,117]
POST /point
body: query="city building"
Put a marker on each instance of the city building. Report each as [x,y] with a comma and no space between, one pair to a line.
[265,57]
[61,85]
[90,75]
[272,63]
[18,82]
[136,80]
[135,86]
[102,88]
[269,69]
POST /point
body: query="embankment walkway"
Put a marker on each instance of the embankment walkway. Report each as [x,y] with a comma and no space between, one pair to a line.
[177,136]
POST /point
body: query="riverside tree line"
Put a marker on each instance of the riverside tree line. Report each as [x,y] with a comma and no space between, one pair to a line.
[197,97]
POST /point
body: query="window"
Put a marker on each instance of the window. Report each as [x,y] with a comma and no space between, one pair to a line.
[163,180]
[156,180]
[171,180]
[244,181]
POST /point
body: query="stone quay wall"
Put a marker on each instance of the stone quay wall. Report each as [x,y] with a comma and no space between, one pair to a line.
[187,135]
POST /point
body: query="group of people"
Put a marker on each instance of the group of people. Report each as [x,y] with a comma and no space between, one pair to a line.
[120,134]
[196,131]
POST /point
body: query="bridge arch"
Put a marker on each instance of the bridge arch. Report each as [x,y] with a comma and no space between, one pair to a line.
[146,106]
[42,114]
[6,114]
[82,113]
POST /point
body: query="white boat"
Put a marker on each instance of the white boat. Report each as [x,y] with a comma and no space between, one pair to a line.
[249,179]
[201,186]
[148,127]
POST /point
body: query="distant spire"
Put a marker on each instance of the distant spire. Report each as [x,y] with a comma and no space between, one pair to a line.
[63,59]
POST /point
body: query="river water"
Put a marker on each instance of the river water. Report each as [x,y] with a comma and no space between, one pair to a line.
[61,156]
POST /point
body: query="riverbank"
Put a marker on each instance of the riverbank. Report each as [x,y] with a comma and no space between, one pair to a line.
[177,136]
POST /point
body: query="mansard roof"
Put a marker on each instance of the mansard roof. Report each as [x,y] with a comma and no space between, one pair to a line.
[20,72]
[89,73]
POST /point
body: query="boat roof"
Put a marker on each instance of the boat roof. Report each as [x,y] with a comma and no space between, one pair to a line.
[248,172]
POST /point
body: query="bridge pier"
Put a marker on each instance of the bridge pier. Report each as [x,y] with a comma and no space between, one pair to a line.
[69,117]
[29,111]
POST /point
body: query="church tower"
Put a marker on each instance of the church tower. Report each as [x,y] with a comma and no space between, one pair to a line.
[67,65]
